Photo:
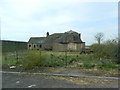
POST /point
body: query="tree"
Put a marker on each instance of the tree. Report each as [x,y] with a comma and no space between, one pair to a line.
[112,49]
[99,37]
[107,50]
[99,51]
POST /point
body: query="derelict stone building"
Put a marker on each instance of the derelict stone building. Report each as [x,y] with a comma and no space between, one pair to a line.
[68,41]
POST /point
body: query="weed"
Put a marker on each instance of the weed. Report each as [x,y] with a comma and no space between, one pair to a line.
[32,59]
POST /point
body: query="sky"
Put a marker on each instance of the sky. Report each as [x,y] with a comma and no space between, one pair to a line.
[22,19]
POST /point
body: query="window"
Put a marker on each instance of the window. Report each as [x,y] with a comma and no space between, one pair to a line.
[34,46]
[40,46]
[29,45]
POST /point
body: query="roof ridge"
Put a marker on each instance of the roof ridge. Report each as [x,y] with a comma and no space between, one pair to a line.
[37,37]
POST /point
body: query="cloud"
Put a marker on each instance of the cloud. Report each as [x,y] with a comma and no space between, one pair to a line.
[28,18]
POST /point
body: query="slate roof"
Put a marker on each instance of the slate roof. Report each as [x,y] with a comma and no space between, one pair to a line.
[52,38]
[71,31]
[36,40]
[57,37]
[64,37]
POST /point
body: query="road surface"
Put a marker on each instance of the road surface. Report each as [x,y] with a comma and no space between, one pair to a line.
[10,80]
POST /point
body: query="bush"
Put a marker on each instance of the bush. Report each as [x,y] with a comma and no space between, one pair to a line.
[34,59]
[99,50]
[112,49]
[53,63]
[107,50]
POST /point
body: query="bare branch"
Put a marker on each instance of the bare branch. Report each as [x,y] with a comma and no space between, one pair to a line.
[99,37]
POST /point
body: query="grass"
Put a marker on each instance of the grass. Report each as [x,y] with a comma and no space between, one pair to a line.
[13,46]
[32,59]
[108,65]
[9,59]
[0,59]
[101,72]
[82,81]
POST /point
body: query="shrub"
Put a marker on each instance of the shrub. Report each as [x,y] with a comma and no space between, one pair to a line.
[107,50]
[53,62]
[99,50]
[112,49]
[33,59]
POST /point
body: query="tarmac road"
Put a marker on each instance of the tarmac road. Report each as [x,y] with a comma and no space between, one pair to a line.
[10,80]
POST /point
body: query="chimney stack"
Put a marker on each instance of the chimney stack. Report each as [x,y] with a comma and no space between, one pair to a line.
[47,33]
[79,36]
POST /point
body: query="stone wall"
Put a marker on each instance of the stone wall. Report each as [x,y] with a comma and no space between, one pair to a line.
[68,47]
[59,47]
[72,46]
[34,46]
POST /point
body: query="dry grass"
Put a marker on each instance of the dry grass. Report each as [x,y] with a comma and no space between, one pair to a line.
[94,72]
[83,81]
[101,72]
[57,70]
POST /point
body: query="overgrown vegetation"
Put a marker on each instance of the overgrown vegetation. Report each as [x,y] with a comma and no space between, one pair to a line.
[36,59]
[107,50]
[105,56]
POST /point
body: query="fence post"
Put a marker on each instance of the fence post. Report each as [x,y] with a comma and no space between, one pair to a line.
[66,57]
[17,57]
